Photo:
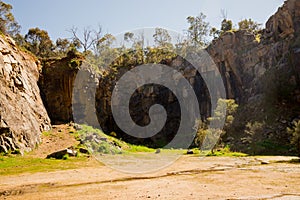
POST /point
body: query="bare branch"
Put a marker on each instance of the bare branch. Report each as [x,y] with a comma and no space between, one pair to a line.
[89,39]
[224,14]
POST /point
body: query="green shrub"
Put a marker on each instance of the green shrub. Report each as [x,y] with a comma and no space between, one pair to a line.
[75,63]
[65,157]
[138,148]
[251,130]
[46,133]
[226,152]
[294,131]
[104,147]
[209,138]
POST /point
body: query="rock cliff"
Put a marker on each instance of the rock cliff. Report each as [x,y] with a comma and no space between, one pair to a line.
[243,60]
[22,113]
[262,75]
[148,95]
[56,84]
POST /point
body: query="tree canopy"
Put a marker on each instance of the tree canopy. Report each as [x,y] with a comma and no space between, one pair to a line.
[249,25]
[39,42]
[8,24]
[198,29]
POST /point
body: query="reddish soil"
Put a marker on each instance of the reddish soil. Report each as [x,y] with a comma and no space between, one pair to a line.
[57,139]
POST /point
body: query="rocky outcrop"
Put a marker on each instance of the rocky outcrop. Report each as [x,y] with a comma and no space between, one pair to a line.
[67,91]
[22,113]
[237,58]
[56,84]
[63,154]
[285,23]
[263,76]
[243,60]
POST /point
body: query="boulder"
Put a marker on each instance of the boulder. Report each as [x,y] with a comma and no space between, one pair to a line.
[84,150]
[189,152]
[60,154]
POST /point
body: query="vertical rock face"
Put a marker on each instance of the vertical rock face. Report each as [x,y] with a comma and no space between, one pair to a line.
[146,96]
[236,57]
[22,113]
[243,61]
[285,23]
[56,84]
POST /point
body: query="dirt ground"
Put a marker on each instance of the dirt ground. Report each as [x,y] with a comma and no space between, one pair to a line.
[188,178]
[57,139]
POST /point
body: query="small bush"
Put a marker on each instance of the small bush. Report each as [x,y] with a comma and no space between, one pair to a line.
[226,152]
[75,63]
[210,138]
[113,134]
[46,133]
[104,147]
[251,130]
[294,131]
[65,157]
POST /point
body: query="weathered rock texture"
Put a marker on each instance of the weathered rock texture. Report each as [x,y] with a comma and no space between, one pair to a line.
[56,84]
[236,58]
[243,60]
[22,113]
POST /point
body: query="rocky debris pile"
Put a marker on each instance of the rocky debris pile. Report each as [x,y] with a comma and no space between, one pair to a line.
[23,116]
[98,144]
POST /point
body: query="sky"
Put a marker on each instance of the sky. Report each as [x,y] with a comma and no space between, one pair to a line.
[116,16]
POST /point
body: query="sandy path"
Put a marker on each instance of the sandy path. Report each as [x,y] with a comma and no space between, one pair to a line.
[188,178]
